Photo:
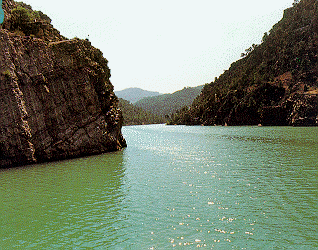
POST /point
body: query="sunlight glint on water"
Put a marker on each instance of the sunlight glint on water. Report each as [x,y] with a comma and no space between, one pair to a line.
[173,187]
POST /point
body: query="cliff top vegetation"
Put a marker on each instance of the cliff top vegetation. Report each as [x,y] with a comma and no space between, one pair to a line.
[22,20]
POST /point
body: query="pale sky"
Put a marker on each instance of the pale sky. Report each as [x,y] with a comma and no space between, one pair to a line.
[165,45]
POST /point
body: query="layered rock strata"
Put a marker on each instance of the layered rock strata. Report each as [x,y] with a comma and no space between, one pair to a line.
[57,101]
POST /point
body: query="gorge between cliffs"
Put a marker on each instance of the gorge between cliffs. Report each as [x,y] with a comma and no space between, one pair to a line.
[67,180]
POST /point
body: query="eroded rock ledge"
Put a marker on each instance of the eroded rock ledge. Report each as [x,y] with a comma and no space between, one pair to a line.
[56,100]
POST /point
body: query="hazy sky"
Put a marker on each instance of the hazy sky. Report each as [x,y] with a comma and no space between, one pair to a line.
[168,44]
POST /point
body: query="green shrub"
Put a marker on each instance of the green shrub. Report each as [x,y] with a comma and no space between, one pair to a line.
[20,17]
[7,74]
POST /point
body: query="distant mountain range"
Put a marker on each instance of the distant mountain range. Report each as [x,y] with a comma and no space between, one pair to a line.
[135,94]
[134,115]
[153,109]
[166,104]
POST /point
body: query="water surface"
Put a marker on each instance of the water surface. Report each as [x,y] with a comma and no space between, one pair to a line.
[174,187]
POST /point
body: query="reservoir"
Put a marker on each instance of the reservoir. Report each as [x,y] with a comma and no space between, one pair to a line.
[173,187]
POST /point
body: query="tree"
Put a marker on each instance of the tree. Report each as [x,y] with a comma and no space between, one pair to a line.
[249,50]
[20,17]
[265,37]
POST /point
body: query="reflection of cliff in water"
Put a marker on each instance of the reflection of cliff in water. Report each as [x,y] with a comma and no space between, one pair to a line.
[79,199]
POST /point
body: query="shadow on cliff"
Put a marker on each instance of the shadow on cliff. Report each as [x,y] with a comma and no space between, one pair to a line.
[58,102]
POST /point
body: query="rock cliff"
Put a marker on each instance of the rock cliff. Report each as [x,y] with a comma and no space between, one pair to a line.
[57,101]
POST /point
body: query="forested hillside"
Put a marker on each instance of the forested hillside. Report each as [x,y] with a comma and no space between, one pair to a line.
[136,116]
[165,105]
[275,83]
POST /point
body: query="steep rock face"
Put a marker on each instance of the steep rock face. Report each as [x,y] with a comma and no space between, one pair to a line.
[275,83]
[56,99]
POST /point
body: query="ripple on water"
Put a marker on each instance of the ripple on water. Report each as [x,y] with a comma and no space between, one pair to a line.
[173,187]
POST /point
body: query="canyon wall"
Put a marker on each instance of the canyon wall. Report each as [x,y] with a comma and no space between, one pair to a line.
[57,101]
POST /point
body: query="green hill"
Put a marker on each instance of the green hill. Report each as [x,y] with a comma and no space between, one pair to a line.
[135,94]
[165,105]
[275,83]
[136,116]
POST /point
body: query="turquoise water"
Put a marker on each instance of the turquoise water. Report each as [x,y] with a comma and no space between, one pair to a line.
[174,187]
[1,13]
